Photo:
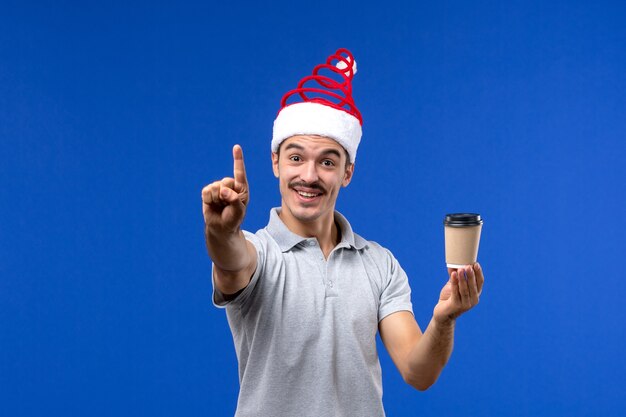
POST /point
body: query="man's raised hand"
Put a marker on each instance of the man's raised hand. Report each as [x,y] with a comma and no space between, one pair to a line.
[224,202]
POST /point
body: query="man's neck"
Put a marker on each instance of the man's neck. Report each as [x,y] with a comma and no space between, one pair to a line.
[324,229]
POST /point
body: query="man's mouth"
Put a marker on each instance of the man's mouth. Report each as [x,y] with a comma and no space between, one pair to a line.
[307,192]
[307,195]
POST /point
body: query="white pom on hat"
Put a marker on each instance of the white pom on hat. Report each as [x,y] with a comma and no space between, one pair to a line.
[331,113]
[342,65]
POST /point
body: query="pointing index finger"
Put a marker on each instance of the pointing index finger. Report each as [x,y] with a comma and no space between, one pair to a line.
[241,181]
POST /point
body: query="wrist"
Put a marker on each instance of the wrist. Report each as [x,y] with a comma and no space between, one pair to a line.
[444,323]
[221,233]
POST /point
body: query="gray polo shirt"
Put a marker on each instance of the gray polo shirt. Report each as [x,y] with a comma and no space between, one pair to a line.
[305,327]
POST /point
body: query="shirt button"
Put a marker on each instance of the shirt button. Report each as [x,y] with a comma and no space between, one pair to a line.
[311,243]
[330,284]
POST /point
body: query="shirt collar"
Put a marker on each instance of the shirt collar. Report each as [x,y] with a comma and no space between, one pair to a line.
[287,239]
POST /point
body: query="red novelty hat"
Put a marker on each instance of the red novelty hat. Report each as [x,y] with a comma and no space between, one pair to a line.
[325,108]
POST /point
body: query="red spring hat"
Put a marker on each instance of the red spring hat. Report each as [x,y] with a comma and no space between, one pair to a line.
[322,104]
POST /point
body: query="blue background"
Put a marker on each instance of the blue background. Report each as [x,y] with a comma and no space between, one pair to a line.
[113,116]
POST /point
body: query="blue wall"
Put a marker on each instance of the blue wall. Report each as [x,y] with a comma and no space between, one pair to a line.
[114,116]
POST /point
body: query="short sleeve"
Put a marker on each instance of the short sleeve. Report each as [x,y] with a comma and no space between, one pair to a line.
[396,294]
[219,300]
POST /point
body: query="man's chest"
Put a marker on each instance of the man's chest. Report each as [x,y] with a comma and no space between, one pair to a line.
[303,292]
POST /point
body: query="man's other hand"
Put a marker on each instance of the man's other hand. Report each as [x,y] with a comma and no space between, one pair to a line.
[461,293]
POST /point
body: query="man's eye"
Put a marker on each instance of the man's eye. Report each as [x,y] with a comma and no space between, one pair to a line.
[328,163]
[295,158]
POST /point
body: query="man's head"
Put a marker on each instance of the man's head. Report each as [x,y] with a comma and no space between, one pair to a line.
[315,139]
[311,169]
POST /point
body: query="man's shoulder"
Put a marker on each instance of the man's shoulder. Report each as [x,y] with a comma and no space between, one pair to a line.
[260,236]
[372,247]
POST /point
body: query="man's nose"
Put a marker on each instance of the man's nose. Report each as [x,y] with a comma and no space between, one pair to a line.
[309,172]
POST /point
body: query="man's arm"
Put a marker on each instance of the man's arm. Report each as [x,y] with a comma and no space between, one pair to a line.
[224,205]
[420,358]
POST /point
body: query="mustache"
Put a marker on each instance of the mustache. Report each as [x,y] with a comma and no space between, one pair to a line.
[313,185]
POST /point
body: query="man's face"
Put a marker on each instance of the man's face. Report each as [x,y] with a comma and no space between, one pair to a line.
[311,169]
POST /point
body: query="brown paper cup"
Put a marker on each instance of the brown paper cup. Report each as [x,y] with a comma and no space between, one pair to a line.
[462,237]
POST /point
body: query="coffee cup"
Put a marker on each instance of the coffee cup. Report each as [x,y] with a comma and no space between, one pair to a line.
[462,236]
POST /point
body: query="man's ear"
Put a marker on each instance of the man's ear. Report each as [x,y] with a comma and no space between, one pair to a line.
[348,175]
[275,164]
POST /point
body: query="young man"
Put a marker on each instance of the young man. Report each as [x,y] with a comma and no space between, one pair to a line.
[305,296]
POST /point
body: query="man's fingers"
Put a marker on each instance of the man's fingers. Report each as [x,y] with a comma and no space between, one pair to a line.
[227,195]
[464,288]
[228,182]
[454,280]
[241,181]
[232,200]
[224,201]
[471,284]
[205,194]
[465,285]
[480,278]
[210,193]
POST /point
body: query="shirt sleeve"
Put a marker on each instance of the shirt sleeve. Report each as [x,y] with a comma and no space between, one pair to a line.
[219,299]
[396,294]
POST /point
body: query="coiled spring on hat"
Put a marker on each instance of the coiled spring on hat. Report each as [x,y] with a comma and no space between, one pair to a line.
[337,64]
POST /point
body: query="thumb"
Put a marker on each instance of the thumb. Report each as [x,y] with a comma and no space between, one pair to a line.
[446,291]
[228,196]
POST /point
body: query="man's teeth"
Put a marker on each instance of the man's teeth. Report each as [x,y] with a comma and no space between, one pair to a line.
[307,195]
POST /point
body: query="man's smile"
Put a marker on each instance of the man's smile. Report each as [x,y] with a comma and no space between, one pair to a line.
[307,195]
[307,192]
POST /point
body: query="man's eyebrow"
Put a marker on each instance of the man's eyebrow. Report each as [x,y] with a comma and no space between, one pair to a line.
[294,146]
[333,152]
[324,152]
